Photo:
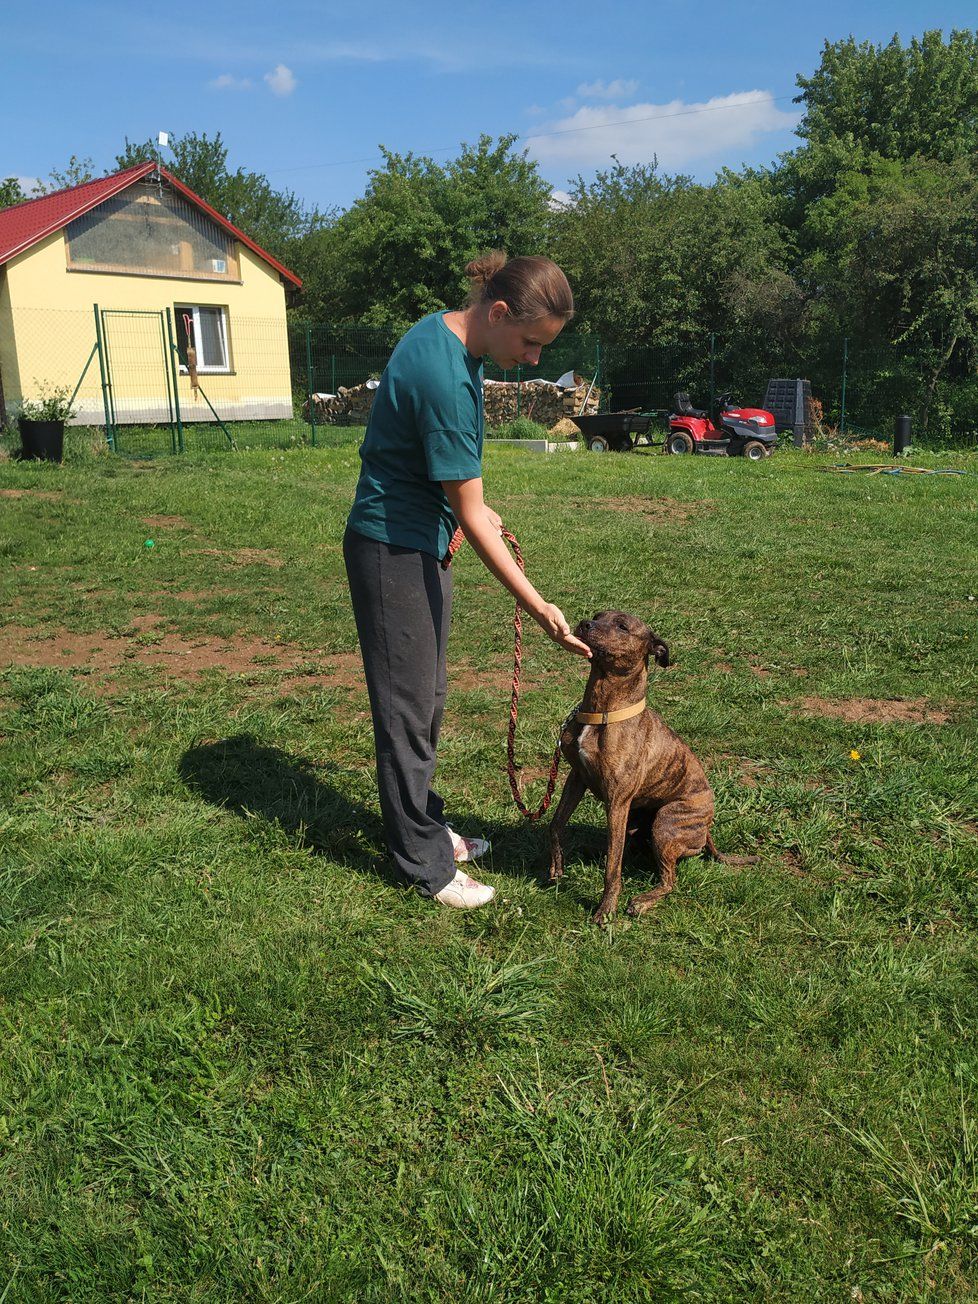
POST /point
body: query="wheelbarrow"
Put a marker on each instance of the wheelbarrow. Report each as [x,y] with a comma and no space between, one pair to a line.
[618,432]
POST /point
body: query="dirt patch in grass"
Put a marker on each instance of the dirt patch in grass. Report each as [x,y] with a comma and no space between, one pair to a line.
[339,670]
[245,556]
[749,771]
[150,642]
[50,494]
[868,710]
[167,522]
[191,595]
[495,675]
[653,509]
[793,863]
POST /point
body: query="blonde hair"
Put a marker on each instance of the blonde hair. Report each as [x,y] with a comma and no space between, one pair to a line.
[531,287]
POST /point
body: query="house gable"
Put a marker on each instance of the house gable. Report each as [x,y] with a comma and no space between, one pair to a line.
[151,230]
[24,225]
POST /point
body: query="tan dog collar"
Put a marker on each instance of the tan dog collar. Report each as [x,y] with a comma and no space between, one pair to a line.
[609,717]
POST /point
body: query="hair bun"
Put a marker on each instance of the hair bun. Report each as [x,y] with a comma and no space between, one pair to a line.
[481,270]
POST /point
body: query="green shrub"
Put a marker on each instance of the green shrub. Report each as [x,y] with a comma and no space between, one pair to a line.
[520,428]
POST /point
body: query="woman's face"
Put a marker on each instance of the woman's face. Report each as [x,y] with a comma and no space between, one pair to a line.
[513,343]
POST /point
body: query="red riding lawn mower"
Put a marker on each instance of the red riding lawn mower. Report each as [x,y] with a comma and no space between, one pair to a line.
[738,432]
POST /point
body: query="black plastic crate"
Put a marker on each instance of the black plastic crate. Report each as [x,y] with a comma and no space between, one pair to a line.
[790,402]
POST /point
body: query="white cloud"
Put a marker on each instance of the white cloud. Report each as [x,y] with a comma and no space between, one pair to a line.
[601,90]
[559,199]
[30,185]
[281,80]
[677,133]
[228,83]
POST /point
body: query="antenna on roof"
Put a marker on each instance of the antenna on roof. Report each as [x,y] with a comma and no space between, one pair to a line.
[162,141]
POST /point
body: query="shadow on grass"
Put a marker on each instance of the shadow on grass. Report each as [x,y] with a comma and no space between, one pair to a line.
[243,775]
[308,802]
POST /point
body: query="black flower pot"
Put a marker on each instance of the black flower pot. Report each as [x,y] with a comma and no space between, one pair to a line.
[42,440]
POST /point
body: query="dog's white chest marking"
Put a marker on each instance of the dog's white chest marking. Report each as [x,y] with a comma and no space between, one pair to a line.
[581,754]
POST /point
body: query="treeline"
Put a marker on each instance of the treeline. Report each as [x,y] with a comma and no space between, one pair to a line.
[864,232]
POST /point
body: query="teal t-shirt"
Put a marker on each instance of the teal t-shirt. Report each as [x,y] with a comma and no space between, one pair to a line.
[425,426]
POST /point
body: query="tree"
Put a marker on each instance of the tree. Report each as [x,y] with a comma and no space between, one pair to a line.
[895,101]
[659,258]
[892,251]
[400,250]
[11,192]
[76,173]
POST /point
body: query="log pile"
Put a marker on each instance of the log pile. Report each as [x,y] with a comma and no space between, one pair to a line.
[349,406]
[539,400]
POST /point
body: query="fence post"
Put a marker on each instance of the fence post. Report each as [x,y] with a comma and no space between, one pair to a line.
[176,377]
[845,368]
[309,391]
[109,432]
[168,377]
[713,371]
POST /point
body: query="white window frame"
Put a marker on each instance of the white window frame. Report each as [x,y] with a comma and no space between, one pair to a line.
[194,309]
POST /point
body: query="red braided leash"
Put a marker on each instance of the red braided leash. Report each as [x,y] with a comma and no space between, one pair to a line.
[511,766]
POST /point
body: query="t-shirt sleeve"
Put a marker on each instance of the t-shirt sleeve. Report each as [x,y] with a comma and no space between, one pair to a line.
[452,455]
[447,415]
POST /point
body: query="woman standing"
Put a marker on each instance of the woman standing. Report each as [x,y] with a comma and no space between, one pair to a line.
[421,476]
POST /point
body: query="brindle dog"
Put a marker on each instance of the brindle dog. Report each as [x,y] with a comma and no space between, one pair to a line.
[644,773]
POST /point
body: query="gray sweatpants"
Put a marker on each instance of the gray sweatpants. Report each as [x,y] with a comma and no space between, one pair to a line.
[402,602]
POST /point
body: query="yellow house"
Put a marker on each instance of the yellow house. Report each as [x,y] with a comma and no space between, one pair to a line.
[136,287]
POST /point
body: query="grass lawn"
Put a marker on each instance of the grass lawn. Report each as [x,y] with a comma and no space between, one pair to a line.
[239,1062]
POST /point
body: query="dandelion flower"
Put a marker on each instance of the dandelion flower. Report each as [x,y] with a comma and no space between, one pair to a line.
[854,755]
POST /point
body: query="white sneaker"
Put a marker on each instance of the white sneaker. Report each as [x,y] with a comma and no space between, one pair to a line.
[467,849]
[464,893]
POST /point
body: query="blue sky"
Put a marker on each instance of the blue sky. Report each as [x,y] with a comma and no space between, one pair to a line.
[305,91]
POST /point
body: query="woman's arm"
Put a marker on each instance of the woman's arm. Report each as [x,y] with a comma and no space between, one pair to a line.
[479,525]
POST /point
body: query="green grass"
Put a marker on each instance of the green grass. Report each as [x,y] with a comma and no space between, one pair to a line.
[240,1063]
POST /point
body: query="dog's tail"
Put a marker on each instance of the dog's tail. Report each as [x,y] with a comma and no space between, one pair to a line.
[711,853]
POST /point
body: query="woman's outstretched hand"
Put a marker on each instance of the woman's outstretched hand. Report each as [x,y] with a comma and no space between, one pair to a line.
[553,623]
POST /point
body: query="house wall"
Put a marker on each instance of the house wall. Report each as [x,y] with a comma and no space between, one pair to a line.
[7,354]
[47,330]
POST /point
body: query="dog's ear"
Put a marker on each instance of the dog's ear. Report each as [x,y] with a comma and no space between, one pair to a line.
[658,649]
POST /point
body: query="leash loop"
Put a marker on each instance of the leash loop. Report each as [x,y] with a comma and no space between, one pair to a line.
[511,766]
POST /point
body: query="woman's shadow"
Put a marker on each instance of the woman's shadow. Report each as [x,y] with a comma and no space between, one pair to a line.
[310,802]
[306,800]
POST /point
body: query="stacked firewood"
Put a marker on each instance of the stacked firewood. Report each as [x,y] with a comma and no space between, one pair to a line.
[348,406]
[539,400]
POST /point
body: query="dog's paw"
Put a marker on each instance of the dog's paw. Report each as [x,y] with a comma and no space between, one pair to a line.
[640,905]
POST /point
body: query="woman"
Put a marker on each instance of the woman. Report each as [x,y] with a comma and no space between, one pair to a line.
[421,476]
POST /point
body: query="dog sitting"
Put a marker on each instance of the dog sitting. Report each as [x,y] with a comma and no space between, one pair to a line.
[629,758]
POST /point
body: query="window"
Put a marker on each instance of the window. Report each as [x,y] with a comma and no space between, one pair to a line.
[206,328]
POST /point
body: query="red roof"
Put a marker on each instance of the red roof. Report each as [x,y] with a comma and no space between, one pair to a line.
[23,225]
